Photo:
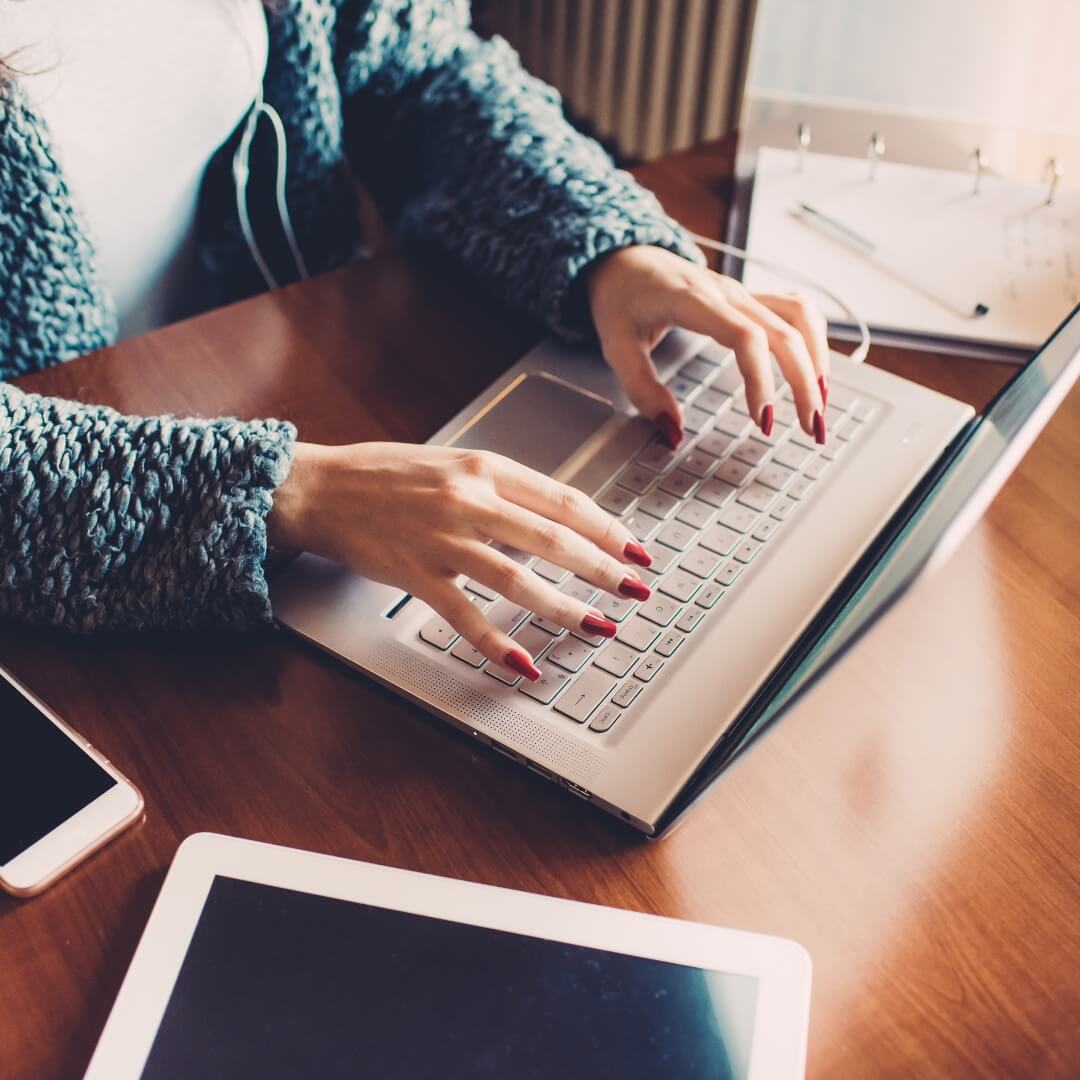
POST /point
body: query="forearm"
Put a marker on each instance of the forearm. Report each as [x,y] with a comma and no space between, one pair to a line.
[110,521]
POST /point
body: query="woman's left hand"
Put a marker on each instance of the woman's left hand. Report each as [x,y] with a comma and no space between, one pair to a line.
[638,294]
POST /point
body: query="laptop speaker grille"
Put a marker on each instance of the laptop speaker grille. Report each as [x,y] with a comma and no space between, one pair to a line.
[495,719]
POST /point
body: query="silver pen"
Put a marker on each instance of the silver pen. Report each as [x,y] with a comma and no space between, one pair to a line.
[870,251]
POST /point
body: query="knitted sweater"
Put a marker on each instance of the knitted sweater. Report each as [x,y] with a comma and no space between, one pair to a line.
[127,522]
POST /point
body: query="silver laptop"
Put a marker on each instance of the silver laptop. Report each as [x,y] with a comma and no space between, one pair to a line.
[768,553]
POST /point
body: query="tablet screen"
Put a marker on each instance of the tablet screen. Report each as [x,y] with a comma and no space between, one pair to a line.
[280,983]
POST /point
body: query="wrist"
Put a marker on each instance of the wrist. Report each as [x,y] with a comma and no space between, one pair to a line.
[289,518]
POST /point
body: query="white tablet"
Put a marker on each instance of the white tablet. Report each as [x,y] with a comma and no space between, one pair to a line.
[263,961]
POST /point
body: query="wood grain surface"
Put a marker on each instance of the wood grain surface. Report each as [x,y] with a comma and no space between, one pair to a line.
[915,823]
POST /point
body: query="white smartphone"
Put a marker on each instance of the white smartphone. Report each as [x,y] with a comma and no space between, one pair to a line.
[60,800]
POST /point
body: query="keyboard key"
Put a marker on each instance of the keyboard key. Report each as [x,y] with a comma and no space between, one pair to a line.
[550,571]
[729,380]
[616,659]
[636,479]
[709,595]
[698,370]
[523,558]
[775,476]
[720,539]
[715,492]
[677,535]
[843,398]
[816,467]
[504,675]
[740,518]
[680,585]
[605,718]
[507,616]
[467,654]
[833,416]
[547,687]
[588,691]
[679,483]
[615,608]
[616,500]
[785,412]
[728,573]
[641,525]
[657,456]
[689,619]
[577,589]
[659,503]
[696,420]
[716,443]
[863,411]
[800,488]
[697,463]
[732,423]
[533,640]
[734,472]
[765,528]
[750,451]
[747,551]
[791,456]
[712,400]
[626,693]
[847,429]
[684,389]
[700,561]
[783,508]
[696,514]
[662,556]
[438,632]
[548,626]
[667,645]
[659,609]
[481,589]
[757,496]
[833,449]
[590,639]
[637,633]
[800,438]
[646,671]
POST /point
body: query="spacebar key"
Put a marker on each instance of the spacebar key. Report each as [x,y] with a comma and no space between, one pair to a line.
[591,688]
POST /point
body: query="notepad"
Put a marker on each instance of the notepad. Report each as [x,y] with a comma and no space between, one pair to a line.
[1004,246]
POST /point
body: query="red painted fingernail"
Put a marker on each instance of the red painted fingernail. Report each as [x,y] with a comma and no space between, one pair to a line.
[520,662]
[767,419]
[637,554]
[670,427]
[819,429]
[823,386]
[597,624]
[635,589]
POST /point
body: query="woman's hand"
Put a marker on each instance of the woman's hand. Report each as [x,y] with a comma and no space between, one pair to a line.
[418,517]
[639,293]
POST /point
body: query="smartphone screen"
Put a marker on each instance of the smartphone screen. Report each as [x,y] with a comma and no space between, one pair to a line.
[45,776]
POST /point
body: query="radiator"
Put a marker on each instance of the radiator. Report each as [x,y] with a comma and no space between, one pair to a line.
[645,76]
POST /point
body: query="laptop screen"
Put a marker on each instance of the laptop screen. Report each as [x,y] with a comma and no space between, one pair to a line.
[925,531]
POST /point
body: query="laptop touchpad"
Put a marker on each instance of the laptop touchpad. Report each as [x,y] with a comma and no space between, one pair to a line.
[538,420]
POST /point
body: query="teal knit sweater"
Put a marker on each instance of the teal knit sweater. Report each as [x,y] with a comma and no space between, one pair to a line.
[119,521]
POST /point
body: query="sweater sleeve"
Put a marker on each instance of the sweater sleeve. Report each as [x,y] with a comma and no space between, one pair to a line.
[462,149]
[121,522]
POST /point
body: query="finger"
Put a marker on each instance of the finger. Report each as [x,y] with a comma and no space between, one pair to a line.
[557,543]
[451,603]
[516,483]
[707,311]
[569,606]
[809,321]
[630,360]
[792,355]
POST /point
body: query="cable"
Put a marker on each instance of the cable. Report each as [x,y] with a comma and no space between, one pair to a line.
[861,350]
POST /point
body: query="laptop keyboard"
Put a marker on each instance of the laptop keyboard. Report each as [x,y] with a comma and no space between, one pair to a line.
[704,512]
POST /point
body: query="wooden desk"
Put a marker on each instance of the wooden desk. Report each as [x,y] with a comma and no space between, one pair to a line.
[916,825]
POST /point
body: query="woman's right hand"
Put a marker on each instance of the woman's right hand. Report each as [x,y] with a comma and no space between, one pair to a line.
[418,517]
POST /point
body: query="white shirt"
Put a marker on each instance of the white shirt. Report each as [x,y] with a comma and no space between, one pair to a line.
[137,96]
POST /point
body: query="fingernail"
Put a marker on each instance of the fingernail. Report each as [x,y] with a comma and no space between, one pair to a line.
[597,624]
[520,662]
[634,588]
[767,419]
[819,429]
[823,386]
[637,554]
[670,427]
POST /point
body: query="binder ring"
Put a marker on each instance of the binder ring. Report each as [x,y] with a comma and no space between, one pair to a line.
[979,163]
[875,150]
[1052,173]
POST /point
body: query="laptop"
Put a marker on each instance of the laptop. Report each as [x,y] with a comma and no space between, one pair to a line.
[770,556]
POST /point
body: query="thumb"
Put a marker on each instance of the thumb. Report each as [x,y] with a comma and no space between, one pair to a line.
[631,362]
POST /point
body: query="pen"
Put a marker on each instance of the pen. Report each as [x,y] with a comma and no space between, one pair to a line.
[861,245]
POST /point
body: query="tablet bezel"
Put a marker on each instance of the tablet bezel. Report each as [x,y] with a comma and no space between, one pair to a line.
[783,967]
